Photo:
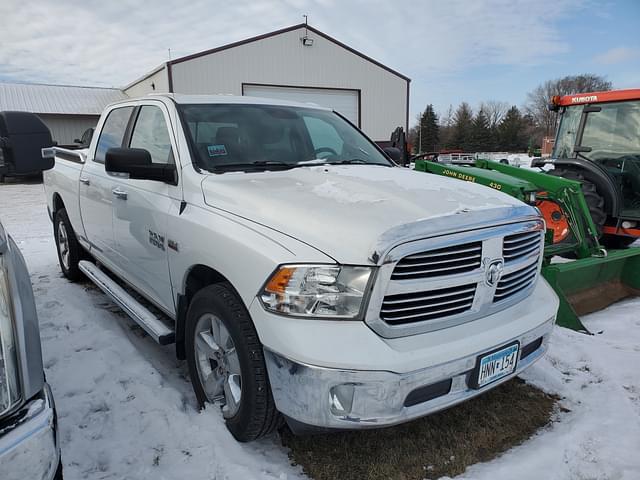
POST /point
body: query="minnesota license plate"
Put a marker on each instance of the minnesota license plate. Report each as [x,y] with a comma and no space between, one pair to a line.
[495,365]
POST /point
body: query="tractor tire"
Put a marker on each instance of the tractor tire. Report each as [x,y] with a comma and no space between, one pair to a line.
[617,241]
[595,201]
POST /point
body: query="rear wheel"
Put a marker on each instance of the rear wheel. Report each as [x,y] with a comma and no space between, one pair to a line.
[58,475]
[69,250]
[595,201]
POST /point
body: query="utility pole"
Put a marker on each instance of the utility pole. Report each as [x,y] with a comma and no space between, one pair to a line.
[420,133]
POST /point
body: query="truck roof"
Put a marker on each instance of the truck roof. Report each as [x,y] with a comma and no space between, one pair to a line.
[224,99]
[596,97]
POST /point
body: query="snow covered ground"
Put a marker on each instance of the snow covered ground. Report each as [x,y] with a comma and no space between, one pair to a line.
[127,410]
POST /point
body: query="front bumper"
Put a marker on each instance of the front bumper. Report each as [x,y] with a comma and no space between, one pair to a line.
[355,399]
[29,447]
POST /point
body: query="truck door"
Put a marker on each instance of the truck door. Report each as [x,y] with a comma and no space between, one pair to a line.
[96,186]
[141,210]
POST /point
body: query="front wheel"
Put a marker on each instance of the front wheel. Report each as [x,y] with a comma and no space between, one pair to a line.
[226,362]
[594,200]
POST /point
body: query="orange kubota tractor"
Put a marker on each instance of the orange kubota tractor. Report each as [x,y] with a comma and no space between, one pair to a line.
[598,144]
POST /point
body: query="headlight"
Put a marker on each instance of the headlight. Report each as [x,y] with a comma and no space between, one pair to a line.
[324,291]
[9,391]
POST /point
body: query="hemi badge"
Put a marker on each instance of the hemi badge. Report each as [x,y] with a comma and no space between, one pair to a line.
[172,244]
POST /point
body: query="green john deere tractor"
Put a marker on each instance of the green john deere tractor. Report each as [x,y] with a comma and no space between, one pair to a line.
[590,201]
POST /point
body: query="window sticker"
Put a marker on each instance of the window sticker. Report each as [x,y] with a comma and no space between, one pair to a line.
[216,150]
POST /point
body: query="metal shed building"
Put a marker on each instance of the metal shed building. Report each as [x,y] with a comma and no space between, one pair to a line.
[68,111]
[297,63]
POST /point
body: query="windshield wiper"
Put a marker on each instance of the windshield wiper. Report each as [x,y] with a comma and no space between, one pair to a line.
[582,155]
[260,165]
[356,161]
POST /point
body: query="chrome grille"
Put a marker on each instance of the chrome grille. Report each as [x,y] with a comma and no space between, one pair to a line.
[521,245]
[442,261]
[444,281]
[419,306]
[515,282]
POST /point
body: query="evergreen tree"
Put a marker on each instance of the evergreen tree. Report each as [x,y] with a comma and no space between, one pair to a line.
[462,128]
[481,140]
[429,131]
[512,131]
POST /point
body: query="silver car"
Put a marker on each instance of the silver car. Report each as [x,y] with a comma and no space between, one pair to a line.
[29,443]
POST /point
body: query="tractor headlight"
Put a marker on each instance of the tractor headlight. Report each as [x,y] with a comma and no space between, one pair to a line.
[321,291]
[9,386]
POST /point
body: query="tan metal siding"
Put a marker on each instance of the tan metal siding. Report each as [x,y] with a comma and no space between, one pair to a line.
[66,128]
[143,87]
[283,60]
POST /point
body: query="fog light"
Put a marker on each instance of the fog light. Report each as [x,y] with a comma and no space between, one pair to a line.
[341,399]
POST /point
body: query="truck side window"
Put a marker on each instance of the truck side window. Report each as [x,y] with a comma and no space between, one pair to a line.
[151,133]
[323,134]
[112,132]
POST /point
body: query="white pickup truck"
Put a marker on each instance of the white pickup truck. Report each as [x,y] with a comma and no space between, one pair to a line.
[297,269]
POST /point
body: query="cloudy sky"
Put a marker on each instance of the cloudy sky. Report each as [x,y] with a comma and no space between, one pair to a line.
[452,50]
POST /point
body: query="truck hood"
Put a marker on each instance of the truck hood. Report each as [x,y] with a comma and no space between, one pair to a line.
[355,213]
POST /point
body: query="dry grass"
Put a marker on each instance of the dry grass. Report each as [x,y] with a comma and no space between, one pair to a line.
[442,444]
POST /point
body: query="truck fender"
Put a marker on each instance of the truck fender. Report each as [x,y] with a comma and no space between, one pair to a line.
[197,277]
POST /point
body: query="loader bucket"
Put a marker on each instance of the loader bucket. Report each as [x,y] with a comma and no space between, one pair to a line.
[591,284]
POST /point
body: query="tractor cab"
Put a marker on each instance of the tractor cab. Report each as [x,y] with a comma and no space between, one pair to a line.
[598,144]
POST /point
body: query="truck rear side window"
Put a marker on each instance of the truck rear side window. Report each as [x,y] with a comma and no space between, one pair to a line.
[112,132]
[151,133]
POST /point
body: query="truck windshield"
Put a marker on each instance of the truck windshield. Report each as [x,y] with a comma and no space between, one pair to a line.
[228,137]
[612,133]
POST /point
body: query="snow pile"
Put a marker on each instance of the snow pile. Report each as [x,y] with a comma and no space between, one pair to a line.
[125,404]
[598,379]
[127,410]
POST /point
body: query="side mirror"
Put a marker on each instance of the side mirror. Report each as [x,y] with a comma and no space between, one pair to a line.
[538,162]
[22,137]
[393,153]
[137,163]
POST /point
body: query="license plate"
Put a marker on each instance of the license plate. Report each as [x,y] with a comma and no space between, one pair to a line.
[495,365]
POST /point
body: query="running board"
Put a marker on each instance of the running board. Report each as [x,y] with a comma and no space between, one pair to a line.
[151,324]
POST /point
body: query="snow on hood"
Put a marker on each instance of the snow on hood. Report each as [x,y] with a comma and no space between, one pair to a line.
[344,210]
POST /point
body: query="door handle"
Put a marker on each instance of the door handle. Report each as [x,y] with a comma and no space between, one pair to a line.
[121,194]
[85,180]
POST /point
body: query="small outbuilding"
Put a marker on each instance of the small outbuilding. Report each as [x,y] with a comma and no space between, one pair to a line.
[297,63]
[67,110]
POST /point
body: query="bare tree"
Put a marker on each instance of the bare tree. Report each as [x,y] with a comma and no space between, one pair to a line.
[446,127]
[538,100]
[495,110]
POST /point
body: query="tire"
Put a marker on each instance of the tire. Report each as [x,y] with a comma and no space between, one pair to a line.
[595,201]
[70,256]
[58,475]
[254,414]
[617,241]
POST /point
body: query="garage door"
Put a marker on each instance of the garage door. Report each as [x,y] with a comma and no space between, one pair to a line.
[343,101]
